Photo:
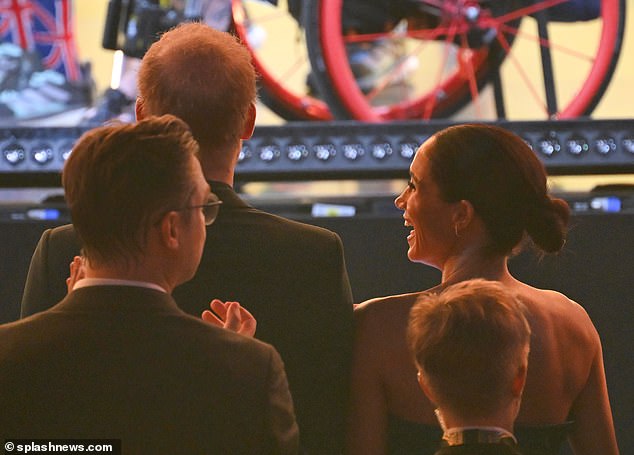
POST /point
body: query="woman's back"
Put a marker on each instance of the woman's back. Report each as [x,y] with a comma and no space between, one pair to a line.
[566,378]
[565,374]
[563,345]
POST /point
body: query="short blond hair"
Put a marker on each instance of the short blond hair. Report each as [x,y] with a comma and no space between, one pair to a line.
[469,342]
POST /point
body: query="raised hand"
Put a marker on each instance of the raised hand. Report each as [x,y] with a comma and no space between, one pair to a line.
[230,315]
[77,272]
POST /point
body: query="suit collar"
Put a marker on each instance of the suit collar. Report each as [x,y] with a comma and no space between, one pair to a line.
[85,282]
[117,299]
[228,196]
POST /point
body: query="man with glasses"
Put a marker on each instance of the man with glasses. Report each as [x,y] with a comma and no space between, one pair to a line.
[290,276]
[116,358]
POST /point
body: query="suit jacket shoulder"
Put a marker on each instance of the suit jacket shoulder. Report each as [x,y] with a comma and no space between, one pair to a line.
[292,277]
[126,362]
[46,279]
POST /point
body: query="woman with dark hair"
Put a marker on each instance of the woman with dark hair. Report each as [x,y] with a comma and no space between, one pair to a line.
[475,193]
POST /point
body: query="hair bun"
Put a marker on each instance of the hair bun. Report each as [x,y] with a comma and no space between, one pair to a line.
[547,222]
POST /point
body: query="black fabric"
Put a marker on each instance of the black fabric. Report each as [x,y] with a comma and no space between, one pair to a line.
[363,16]
[573,10]
[373,16]
[121,362]
[290,275]
[407,437]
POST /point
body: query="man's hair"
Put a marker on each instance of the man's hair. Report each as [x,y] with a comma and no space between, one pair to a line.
[469,342]
[203,76]
[119,178]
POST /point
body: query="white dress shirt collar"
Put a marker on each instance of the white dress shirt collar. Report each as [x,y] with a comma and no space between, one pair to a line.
[86,282]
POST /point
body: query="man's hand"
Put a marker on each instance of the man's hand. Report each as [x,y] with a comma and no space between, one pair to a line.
[230,315]
[77,272]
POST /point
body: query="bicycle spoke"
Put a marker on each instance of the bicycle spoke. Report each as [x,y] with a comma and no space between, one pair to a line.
[505,45]
[547,43]
[388,79]
[293,68]
[365,37]
[466,63]
[437,92]
[434,33]
[282,81]
[482,36]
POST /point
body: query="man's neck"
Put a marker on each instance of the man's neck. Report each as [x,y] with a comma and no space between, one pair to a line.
[226,177]
[219,169]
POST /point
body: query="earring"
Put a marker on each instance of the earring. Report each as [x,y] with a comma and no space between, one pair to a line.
[455,228]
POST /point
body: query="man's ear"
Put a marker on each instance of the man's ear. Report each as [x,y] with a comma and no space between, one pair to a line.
[249,125]
[517,387]
[169,230]
[425,387]
[139,111]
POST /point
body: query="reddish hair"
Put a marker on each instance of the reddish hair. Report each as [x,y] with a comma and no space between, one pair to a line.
[203,76]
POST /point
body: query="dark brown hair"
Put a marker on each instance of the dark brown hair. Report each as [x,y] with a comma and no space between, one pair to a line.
[469,341]
[502,177]
[119,178]
[202,76]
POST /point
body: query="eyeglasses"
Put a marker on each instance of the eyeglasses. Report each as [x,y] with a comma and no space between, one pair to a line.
[210,208]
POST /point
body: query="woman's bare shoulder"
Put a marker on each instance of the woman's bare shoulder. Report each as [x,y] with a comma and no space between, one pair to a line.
[390,312]
[380,325]
[550,301]
[390,304]
[380,302]
[559,311]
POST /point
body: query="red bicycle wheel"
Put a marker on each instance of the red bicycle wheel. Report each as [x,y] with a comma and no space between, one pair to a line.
[277,45]
[462,45]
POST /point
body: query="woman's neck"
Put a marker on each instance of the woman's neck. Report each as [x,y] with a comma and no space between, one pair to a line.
[473,263]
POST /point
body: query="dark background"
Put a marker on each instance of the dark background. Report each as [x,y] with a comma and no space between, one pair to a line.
[596,269]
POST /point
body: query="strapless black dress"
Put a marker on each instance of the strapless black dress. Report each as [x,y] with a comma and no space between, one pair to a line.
[405,437]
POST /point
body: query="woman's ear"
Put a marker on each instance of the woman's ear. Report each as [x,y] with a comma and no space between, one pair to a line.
[463,214]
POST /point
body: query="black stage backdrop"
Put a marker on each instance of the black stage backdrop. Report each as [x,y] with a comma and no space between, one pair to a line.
[596,269]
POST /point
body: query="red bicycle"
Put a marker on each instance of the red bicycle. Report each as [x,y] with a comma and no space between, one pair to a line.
[277,43]
[442,56]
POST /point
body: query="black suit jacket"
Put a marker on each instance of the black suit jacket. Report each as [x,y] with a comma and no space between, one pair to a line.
[290,275]
[122,362]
